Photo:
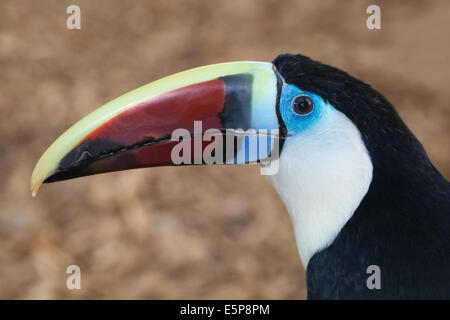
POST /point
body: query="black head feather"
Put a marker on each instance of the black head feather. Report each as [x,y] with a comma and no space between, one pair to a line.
[385,135]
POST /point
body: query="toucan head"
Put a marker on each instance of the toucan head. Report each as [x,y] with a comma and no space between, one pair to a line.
[316,115]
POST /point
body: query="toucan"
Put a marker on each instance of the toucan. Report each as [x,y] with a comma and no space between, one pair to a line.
[363,195]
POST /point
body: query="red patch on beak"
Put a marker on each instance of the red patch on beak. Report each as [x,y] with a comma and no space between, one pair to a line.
[162,114]
[140,136]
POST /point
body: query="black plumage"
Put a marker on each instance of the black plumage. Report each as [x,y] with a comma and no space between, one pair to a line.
[403,223]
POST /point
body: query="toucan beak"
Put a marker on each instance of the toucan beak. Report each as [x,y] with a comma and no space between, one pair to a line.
[135,130]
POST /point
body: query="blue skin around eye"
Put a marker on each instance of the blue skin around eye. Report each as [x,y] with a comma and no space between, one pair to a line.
[296,123]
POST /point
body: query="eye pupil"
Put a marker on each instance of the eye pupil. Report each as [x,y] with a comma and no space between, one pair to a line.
[303,105]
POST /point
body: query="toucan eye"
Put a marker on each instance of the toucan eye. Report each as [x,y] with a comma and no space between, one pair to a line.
[303,105]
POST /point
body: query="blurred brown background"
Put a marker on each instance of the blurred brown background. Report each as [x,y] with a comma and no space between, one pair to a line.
[199,232]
